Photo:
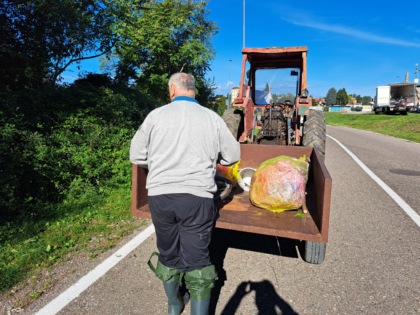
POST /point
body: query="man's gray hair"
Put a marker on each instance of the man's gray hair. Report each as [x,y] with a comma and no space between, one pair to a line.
[183,81]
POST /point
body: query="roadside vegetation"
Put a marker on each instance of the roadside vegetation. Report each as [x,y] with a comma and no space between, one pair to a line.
[65,175]
[404,127]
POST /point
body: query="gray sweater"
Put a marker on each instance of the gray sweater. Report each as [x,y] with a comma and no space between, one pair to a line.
[180,144]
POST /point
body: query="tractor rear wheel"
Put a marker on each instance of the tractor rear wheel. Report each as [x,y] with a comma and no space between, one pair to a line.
[314,131]
[232,118]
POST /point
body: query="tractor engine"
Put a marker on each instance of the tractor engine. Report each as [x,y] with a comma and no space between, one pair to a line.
[274,126]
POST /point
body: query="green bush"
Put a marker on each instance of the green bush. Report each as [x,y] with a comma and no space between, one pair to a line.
[64,140]
[65,172]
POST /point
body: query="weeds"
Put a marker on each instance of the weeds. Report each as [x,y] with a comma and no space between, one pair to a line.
[93,227]
[300,215]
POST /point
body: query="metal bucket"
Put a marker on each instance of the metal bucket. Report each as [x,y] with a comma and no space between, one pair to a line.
[245,181]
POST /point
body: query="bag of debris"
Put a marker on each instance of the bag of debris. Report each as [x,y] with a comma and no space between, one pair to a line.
[279,183]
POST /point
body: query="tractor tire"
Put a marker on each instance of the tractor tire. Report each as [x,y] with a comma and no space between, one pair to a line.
[314,131]
[314,252]
[232,118]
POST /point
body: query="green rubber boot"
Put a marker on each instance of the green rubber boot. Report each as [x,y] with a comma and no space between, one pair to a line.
[175,302]
[200,282]
[171,278]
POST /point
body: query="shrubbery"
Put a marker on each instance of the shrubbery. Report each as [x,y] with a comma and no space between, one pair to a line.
[61,141]
[65,173]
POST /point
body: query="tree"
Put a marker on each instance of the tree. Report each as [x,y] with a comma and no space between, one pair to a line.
[356,97]
[220,104]
[161,38]
[331,97]
[147,39]
[41,38]
[342,98]
[366,99]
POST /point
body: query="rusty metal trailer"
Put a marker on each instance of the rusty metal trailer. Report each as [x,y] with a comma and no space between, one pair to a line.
[237,213]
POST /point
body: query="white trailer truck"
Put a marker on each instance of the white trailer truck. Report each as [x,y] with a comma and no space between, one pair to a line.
[382,99]
[395,98]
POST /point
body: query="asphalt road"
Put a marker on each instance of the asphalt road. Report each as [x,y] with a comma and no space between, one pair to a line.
[372,264]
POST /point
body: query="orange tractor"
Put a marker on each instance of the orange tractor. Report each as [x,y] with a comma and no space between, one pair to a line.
[271,119]
[260,116]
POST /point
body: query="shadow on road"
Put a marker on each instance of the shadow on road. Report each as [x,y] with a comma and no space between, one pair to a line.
[266,297]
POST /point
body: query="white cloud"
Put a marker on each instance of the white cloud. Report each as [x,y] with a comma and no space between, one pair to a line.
[339,29]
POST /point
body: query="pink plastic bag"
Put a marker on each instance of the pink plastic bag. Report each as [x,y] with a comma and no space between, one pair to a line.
[279,184]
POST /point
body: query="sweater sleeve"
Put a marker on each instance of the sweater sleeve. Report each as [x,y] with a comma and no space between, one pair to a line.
[139,144]
[230,150]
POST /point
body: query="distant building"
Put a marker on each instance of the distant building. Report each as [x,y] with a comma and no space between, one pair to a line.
[320,101]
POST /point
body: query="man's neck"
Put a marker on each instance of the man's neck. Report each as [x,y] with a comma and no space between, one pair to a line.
[184,98]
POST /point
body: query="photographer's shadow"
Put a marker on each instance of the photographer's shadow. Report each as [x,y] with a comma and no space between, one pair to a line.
[266,298]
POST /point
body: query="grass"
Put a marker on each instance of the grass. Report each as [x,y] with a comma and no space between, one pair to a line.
[93,223]
[400,126]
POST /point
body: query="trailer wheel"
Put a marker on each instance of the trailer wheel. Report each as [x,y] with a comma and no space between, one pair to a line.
[232,118]
[314,252]
[314,131]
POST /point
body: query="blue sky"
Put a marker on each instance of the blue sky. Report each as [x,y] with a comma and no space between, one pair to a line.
[356,45]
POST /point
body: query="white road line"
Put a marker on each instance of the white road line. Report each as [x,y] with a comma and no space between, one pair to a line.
[407,209]
[85,282]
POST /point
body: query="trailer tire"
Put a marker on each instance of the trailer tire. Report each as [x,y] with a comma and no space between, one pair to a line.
[314,131]
[232,118]
[314,252]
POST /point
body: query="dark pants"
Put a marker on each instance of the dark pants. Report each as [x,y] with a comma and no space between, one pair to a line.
[183,225]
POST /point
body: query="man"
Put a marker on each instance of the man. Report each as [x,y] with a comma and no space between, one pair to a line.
[180,144]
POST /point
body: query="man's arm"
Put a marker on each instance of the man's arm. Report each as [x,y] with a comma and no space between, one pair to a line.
[139,145]
[230,150]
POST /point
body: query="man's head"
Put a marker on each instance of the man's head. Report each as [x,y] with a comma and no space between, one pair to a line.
[181,84]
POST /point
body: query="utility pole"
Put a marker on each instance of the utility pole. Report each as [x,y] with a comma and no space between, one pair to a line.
[416,81]
[243,24]
[230,60]
[229,95]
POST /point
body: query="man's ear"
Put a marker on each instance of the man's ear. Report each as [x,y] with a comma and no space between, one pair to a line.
[172,91]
